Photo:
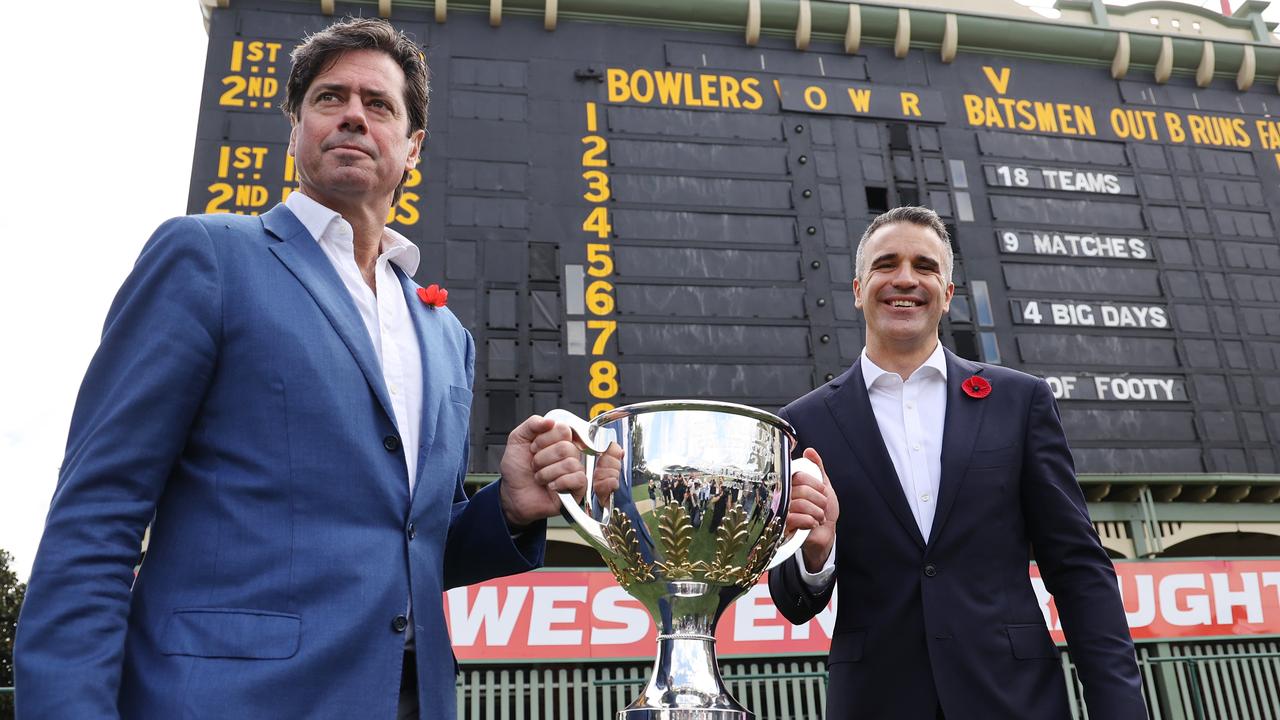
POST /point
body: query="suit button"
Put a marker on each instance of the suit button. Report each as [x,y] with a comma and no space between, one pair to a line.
[399,623]
[411,531]
[930,570]
[391,443]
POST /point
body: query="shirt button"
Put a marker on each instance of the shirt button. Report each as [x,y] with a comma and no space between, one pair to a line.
[916,447]
[930,570]
[391,443]
[399,623]
[393,390]
[911,406]
[925,497]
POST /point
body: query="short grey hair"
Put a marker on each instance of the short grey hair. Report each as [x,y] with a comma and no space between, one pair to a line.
[922,216]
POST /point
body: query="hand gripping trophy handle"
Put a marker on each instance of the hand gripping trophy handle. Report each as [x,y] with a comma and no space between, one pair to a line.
[792,544]
[594,446]
[592,530]
[699,513]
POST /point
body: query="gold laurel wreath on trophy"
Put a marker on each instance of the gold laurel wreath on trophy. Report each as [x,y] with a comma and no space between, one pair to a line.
[622,538]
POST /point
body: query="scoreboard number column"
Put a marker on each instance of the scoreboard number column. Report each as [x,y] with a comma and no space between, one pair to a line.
[589,288]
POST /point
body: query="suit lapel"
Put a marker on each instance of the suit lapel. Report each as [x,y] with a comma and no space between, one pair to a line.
[851,407]
[302,255]
[960,432]
[427,324]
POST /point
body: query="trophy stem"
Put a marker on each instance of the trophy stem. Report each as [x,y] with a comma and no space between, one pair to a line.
[685,684]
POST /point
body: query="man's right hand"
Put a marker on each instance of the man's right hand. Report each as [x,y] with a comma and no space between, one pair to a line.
[814,507]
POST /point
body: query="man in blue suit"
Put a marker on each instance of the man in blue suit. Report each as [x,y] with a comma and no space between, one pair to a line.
[948,472]
[288,411]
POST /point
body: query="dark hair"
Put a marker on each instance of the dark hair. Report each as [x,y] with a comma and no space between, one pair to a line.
[922,216]
[319,51]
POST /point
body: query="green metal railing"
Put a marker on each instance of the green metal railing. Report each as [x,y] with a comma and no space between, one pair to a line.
[1201,681]
[1196,668]
[1192,681]
[1219,681]
[778,690]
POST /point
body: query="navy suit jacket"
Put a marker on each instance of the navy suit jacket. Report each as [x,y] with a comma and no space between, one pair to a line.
[236,404]
[954,622]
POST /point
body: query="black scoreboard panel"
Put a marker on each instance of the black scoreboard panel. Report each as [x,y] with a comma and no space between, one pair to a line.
[624,214]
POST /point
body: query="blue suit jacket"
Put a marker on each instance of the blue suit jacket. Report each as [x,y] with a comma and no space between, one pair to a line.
[236,405]
[954,622]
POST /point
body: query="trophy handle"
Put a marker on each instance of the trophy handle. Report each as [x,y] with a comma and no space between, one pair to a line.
[791,545]
[592,529]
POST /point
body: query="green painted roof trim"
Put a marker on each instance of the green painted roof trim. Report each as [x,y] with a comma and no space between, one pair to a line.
[978,33]
[1242,18]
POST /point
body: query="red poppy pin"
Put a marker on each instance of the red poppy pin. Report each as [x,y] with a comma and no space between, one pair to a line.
[433,295]
[976,387]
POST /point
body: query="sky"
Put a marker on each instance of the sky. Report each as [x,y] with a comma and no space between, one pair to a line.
[127,78]
[83,183]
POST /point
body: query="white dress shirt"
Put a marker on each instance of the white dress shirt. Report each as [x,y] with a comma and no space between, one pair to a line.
[385,313]
[910,415]
[386,317]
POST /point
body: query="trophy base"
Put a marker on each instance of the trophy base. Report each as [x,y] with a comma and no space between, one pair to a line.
[686,684]
[684,714]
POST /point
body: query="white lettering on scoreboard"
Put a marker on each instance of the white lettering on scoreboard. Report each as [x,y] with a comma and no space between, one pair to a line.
[1118,388]
[1067,179]
[1073,244]
[1082,314]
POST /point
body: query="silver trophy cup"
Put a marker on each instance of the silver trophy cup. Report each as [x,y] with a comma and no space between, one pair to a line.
[697,516]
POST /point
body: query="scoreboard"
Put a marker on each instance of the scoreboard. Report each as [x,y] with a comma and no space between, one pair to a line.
[628,213]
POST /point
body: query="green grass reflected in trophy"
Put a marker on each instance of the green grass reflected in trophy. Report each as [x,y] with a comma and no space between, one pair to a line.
[698,515]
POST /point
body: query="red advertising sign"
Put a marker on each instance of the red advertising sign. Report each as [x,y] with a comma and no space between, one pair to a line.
[552,614]
[1190,599]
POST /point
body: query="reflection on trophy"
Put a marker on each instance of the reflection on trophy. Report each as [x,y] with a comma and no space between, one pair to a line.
[697,517]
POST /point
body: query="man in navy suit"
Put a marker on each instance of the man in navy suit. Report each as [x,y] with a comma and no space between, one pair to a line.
[950,474]
[288,411]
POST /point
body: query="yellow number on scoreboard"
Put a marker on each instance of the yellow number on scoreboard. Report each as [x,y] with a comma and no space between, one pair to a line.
[222,193]
[600,297]
[231,96]
[598,186]
[606,328]
[604,379]
[598,222]
[600,263]
[596,146]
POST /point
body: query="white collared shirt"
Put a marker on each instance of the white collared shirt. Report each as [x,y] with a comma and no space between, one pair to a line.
[910,415]
[385,313]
